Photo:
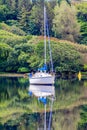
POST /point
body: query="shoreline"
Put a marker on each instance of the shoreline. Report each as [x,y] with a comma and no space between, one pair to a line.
[13,75]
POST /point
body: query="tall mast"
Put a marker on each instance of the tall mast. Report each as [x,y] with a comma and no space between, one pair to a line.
[46,30]
[44,34]
[50,51]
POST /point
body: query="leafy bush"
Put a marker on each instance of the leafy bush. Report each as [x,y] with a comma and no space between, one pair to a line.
[82,125]
[4,26]
[11,39]
[65,57]
[85,67]
[12,29]
[23,70]
[17,31]
[5,50]
[28,37]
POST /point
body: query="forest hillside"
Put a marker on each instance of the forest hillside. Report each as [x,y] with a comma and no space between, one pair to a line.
[21,35]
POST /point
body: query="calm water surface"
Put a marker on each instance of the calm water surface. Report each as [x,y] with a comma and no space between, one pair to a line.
[20,111]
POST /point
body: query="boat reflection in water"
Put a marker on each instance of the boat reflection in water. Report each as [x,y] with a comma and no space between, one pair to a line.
[42,90]
[42,93]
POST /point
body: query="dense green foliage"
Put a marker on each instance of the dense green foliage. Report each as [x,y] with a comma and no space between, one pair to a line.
[26,53]
[26,17]
[4,53]
[82,19]
[82,125]
[63,55]
[65,23]
[22,52]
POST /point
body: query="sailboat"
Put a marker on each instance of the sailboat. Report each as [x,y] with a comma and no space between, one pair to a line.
[42,77]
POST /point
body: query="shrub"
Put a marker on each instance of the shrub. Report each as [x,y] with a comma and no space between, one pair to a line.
[17,31]
[23,70]
[11,39]
[82,124]
[13,29]
[85,67]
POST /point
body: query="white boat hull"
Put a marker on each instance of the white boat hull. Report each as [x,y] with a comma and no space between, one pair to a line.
[42,79]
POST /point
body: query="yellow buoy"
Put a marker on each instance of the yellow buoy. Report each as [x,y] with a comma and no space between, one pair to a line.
[79,76]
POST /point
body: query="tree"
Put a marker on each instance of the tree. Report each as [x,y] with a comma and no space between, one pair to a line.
[3,12]
[65,23]
[4,54]
[36,19]
[82,19]
[63,55]
[68,1]
[24,19]
[12,60]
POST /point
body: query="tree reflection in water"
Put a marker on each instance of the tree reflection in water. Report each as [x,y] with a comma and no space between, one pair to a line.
[16,105]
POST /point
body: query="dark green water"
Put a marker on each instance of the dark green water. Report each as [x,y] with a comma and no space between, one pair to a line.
[20,111]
